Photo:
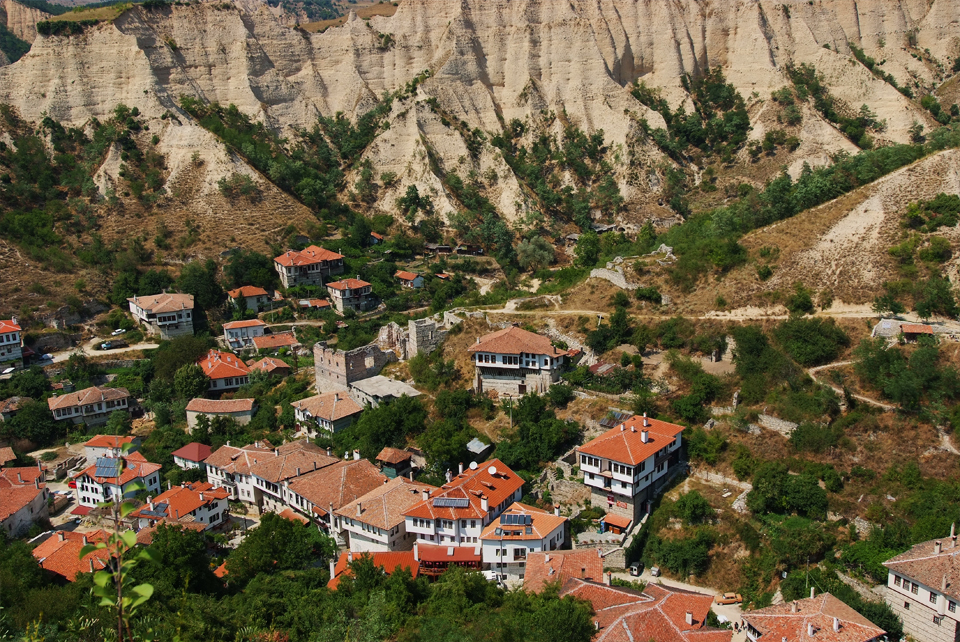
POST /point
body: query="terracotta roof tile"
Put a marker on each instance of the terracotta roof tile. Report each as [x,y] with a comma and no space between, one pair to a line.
[135,467]
[63,556]
[249,323]
[279,340]
[108,441]
[352,284]
[624,443]
[288,513]
[313,303]
[269,364]
[161,303]
[923,564]
[617,520]
[193,452]
[496,487]
[7,325]
[231,459]
[393,455]
[915,328]
[247,290]
[180,502]
[21,476]
[542,523]
[145,534]
[435,553]
[306,256]
[7,454]
[779,621]
[558,566]
[514,340]
[11,405]
[291,461]
[338,484]
[387,561]
[331,406]
[220,365]
[86,396]
[383,506]
[405,276]
[14,498]
[216,406]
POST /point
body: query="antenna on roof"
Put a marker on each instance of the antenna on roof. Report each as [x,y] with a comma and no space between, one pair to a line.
[492,470]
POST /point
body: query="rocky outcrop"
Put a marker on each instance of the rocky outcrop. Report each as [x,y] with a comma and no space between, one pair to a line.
[21,20]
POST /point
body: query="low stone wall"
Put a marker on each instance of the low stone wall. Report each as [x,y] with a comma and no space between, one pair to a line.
[781,426]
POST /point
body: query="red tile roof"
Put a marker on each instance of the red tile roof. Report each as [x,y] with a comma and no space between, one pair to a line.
[915,328]
[269,364]
[21,476]
[779,621]
[288,513]
[221,571]
[15,498]
[220,365]
[250,323]
[923,564]
[658,613]
[616,520]
[389,562]
[108,441]
[165,302]
[279,340]
[135,467]
[379,237]
[434,553]
[383,506]
[218,406]
[247,290]
[514,340]
[292,460]
[405,276]
[338,484]
[181,501]
[145,534]
[63,556]
[393,455]
[352,284]
[231,459]
[624,443]
[497,487]
[193,452]
[331,406]
[542,523]
[313,303]
[559,566]
[306,256]
[7,325]
[7,454]
[86,396]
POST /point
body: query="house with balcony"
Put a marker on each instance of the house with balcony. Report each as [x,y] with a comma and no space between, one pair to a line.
[518,531]
[514,362]
[225,371]
[11,342]
[819,617]
[228,467]
[325,414]
[922,589]
[250,297]
[116,478]
[192,503]
[240,334]
[271,477]
[89,406]
[109,446]
[352,294]
[167,315]
[457,513]
[623,466]
[310,266]
[374,522]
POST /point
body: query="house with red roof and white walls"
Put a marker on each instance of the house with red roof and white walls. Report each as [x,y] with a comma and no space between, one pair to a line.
[59,554]
[249,297]
[374,523]
[89,406]
[352,294]
[518,531]
[11,343]
[624,465]
[109,446]
[23,499]
[819,618]
[326,414]
[240,334]
[193,455]
[240,410]
[514,362]
[167,315]
[113,479]
[197,503]
[310,266]
[225,371]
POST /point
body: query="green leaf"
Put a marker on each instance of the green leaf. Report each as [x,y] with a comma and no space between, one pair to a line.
[143,590]
[137,486]
[86,550]
[101,578]
[149,555]
[129,538]
[106,602]
[126,508]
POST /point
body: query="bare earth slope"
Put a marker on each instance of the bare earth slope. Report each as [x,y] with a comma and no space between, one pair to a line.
[20,19]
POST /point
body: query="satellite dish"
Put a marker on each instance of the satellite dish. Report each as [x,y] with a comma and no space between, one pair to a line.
[473,465]
[492,470]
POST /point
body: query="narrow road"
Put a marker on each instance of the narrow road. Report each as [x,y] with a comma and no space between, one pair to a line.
[88,349]
[871,402]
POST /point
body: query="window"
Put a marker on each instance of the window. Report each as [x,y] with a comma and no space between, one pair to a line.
[938,620]
[952,607]
[915,589]
[933,597]
[897,580]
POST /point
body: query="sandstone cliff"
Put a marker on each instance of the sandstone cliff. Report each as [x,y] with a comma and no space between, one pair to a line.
[21,20]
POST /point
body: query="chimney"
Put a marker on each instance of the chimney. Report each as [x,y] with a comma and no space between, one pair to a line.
[937,546]
[329,452]
[411,474]
[836,624]
[356,455]
[416,552]
[60,537]
[201,497]
[953,535]
[359,510]
[424,494]
[484,504]
[810,629]
[298,469]
[622,427]
[350,556]
[596,625]
[608,579]
[644,436]
[150,502]
[546,558]
[91,564]
[556,510]
[168,484]
[276,452]
[689,618]
[449,476]
[460,468]
[333,569]
[19,478]
[583,572]
[793,607]
[36,482]
[813,592]
[85,540]
[645,422]
[330,515]
[228,443]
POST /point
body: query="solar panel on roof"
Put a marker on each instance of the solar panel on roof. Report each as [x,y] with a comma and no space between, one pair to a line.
[451,502]
[515,520]
[107,467]
[159,510]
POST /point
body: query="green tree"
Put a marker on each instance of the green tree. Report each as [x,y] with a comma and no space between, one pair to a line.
[172,355]
[246,267]
[588,249]
[33,422]
[180,563]
[693,508]
[534,253]
[190,382]
[388,424]
[811,342]
[278,544]
[200,280]
[30,382]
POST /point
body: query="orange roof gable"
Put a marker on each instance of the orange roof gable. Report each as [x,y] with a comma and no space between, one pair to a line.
[307,256]
[245,291]
[915,328]
[542,523]
[9,326]
[180,501]
[514,340]
[348,284]
[389,562]
[251,323]
[492,480]
[217,406]
[558,566]
[134,467]
[780,621]
[220,365]
[279,340]
[108,441]
[405,276]
[625,443]
[63,556]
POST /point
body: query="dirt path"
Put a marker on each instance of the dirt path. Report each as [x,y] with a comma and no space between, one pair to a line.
[87,349]
[872,402]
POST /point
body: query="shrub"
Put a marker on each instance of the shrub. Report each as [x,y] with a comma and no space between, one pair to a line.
[811,342]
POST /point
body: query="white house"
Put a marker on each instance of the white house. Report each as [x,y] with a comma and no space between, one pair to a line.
[193,455]
[240,410]
[374,522]
[11,344]
[112,478]
[225,371]
[409,279]
[328,413]
[23,499]
[109,446]
[228,467]
[249,297]
[309,266]
[457,513]
[168,315]
[352,294]
[922,591]
[197,502]
[240,334]
[90,405]
[520,530]
[514,361]
[623,465]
